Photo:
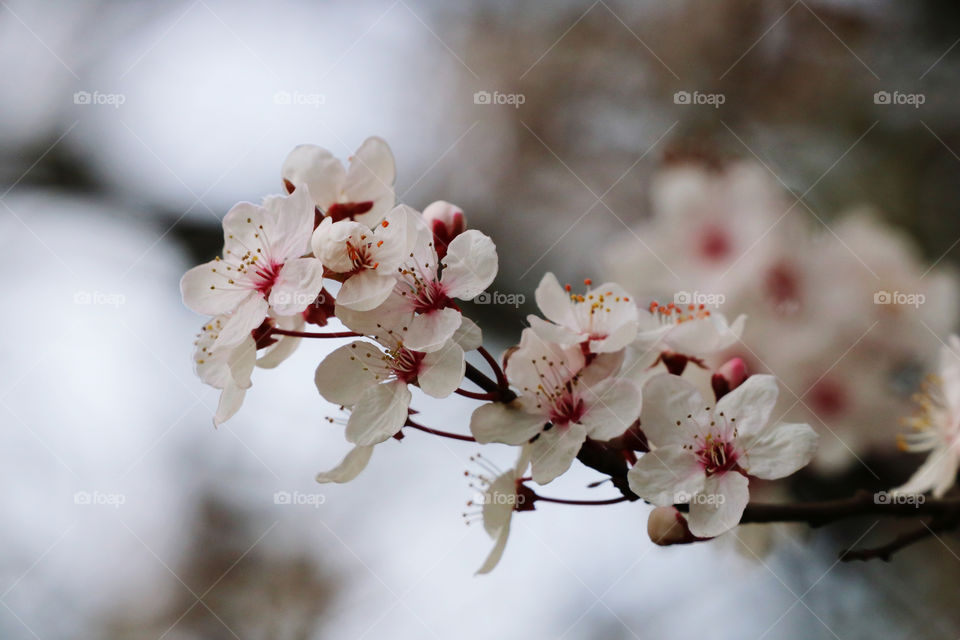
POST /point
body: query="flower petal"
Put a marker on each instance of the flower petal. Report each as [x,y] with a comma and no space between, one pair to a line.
[553,452]
[471,265]
[442,371]
[719,507]
[285,345]
[370,177]
[780,451]
[297,286]
[348,469]
[613,406]
[430,331]
[554,302]
[553,332]
[247,317]
[329,243]
[938,473]
[751,404]
[468,335]
[231,398]
[366,290]
[667,475]
[668,399]
[506,423]
[379,413]
[205,289]
[346,373]
[291,223]
[318,169]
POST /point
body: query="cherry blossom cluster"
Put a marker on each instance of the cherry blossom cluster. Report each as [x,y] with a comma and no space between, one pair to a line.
[625,386]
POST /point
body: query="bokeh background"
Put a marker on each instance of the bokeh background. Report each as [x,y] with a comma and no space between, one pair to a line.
[127,129]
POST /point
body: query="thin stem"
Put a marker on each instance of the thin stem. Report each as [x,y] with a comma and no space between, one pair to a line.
[310,334]
[477,396]
[501,376]
[582,502]
[437,432]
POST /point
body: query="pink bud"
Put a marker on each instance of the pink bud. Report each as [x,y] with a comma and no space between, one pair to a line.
[728,377]
[667,526]
[446,221]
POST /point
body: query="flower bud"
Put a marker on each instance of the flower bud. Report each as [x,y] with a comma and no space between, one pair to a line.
[728,377]
[667,526]
[446,221]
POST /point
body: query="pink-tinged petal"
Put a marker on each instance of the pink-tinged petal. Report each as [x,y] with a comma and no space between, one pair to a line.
[351,466]
[751,404]
[468,335]
[668,475]
[619,338]
[379,413]
[442,371]
[506,423]
[937,473]
[523,365]
[329,243]
[285,345]
[430,331]
[552,453]
[366,290]
[298,285]
[247,317]
[612,406]
[668,399]
[554,301]
[291,223]
[206,289]
[346,373]
[719,507]
[493,559]
[241,229]
[231,398]
[471,265]
[780,451]
[554,332]
[316,167]
[370,177]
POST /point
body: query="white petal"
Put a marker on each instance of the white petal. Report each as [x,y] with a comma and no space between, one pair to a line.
[231,398]
[468,335]
[554,332]
[285,345]
[370,177]
[379,413]
[552,453]
[523,370]
[241,228]
[719,507]
[668,399]
[950,373]
[297,286]
[291,223]
[330,243]
[612,406]
[938,473]
[351,466]
[554,302]
[242,360]
[780,451]
[206,290]
[430,331]
[365,290]
[318,169]
[665,476]
[471,265]
[497,552]
[506,423]
[347,372]
[248,316]
[751,404]
[617,339]
[442,371]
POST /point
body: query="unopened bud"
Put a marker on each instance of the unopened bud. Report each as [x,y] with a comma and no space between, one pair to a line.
[728,377]
[667,526]
[446,221]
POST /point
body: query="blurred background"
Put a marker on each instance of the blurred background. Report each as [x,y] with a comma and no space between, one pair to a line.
[585,139]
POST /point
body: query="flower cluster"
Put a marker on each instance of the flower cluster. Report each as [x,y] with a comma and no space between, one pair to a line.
[644,391]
